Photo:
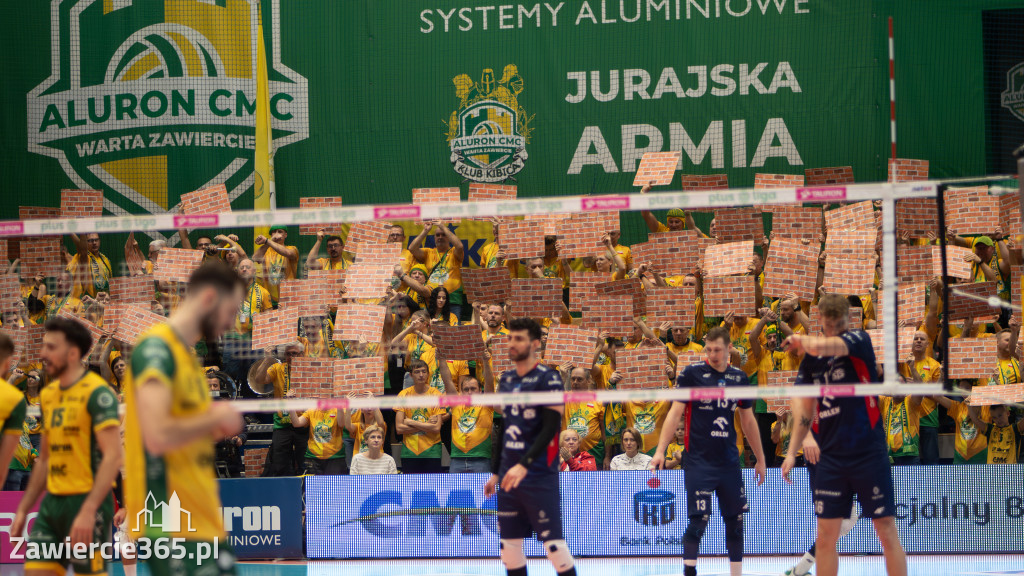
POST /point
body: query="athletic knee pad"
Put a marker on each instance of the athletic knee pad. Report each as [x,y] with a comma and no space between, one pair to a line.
[691,537]
[734,538]
[558,554]
[512,554]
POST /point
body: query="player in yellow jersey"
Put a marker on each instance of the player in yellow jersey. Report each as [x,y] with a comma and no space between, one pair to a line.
[12,409]
[79,458]
[172,424]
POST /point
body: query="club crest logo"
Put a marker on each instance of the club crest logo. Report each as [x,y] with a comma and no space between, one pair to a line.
[489,131]
[150,100]
[1013,97]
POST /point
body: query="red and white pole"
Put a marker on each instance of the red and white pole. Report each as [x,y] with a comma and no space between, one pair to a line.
[892,91]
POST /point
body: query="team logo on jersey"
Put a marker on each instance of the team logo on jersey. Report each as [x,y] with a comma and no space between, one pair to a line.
[488,133]
[467,421]
[967,430]
[645,422]
[149,100]
[322,433]
[1013,97]
[721,422]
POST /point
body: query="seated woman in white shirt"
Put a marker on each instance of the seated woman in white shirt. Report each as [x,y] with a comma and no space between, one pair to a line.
[633,457]
[373,461]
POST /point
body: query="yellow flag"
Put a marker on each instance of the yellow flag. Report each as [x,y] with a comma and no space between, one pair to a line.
[264,197]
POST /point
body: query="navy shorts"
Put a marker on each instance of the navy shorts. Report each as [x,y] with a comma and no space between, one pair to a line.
[726,484]
[835,483]
[534,506]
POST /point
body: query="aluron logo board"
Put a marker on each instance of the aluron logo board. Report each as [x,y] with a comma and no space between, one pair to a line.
[148,100]
[1013,97]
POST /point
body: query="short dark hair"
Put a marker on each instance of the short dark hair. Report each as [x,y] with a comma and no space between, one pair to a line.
[204,236]
[333,238]
[6,345]
[529,325]
[216,273]
[834,306]
[417,363]
[74,332]
[718,333]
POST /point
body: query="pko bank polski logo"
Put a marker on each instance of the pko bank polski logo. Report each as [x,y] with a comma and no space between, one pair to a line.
[150,99]
[654,507]
[394,514]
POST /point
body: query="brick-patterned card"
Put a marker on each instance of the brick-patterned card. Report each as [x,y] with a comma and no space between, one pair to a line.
[548,222]
[28,343]
[537,298]
[132,289]
[522,239]
[490,285]
[676,305]
[615,315]
[792,266]
[3,253]
[176,264]
[481,192]
[689,359]
[849,275]
[728,259]
[355,321]
[359,375]
[330,283]
[38,213]
[850,243]
[134,322]
[829,176]
[628,290]
[255,461]
[724,294]
[907,170]
[911,302]
[739,224]
[971,357]
[81,203]
[320,202]
[657,168]
[371,274]
[362,233]
[387,253]
[1001,394]
[964,301]
[210,200]
[275,327]
[435,195]
[672,253]
[570,344]
[768,181]
[311,297]
[879,341]
[95,331]
[642,367]
[499,355]
[779,378]
[703,183]
[914,263]
[917,217]
[972,210]
[580,235]
[956,266]
[794,222]
[40,255]
[10,292]
[859,216]
[461,342]
[112,314]
[1009,213]
[581,287]
[312,377]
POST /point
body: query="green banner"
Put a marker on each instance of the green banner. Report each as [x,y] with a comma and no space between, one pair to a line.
[147,100]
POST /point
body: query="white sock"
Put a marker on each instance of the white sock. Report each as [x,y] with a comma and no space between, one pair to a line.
[803,566]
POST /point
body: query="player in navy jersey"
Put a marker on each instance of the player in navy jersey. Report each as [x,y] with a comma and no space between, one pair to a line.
[849,451]
[527,464]
[712,458]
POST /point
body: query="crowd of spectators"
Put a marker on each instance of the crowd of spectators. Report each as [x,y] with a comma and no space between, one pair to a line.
[427,288]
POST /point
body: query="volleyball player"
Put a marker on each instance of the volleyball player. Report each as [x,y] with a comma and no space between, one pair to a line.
[172,424]
[527,464]
[712,458]
[851,453]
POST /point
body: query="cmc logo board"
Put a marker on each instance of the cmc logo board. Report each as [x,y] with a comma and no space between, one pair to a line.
[940,509]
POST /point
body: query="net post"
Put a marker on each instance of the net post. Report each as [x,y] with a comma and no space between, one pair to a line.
[889,284]
[940,203]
